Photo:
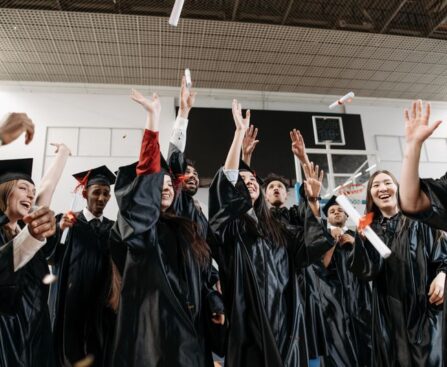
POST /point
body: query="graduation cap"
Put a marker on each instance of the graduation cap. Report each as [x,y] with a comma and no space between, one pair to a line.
[274,177]
[330,203]
[245,167]
[99,175]
[16,169]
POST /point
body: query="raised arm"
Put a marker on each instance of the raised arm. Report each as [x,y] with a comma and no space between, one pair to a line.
[298,147]
[234,154]
[312,186]
[249,144]
[53,175]
[149,161]
[412,199]
[177,142]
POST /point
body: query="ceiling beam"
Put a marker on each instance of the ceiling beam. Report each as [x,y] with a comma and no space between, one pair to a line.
[287,13]
[394,11]
[235,9]
[440,19]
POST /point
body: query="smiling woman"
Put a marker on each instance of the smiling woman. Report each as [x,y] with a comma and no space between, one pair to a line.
[408,320]
[23,296]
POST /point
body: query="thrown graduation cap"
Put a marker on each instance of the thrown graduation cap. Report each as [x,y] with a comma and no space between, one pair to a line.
[332,201]
[245,167]
[99,175]
[16,169]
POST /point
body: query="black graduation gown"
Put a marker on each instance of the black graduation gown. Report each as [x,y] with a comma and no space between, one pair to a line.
[313,313]
[436,190]
[83,323]
[164,305]
[346,303]
[261,292]
[436,217]
[406,328]
[25,328]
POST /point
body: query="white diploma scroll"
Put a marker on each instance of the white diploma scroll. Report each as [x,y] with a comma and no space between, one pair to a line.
[188,78]
[354,215]
[342,100]
[176,11]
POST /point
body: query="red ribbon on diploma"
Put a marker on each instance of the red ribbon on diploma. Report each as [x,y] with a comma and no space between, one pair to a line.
[71,216]
[366,220]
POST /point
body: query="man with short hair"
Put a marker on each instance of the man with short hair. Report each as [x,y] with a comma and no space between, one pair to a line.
[84,299]
[346,298]
[276,193]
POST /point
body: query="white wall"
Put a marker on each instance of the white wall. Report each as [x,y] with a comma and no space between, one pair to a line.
[108,106]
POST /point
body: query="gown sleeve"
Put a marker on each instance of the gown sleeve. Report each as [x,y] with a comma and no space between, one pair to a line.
[9,286]
[138,190]
[311,240]
[363,260]
[226,202]
[436,190]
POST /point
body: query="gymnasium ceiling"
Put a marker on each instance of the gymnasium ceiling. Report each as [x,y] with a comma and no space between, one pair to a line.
[377,48]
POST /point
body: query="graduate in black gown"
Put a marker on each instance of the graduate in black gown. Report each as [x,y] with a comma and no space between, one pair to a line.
[345,299]
[260,258]
[81,301]
[422,199]
[407,286]
[276,194]
[25,329]
[166,303]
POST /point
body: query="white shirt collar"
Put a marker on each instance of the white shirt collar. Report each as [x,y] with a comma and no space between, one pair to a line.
[344,229]
[89,215]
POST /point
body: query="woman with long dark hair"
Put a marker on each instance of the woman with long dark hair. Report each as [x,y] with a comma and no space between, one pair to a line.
[408,287]
[166,303]
[258,261]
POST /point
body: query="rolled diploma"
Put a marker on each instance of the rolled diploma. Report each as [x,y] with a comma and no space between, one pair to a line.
[176,11]
[342,100]
[188,78]
[72,207]
[354,215]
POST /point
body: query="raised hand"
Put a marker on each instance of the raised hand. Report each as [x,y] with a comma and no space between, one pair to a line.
[417,128]
[240,122]
[187,99]
[313,182]
[249,144]
[298,146]
[14,125]
[61,147]
[67,221]
[151,105]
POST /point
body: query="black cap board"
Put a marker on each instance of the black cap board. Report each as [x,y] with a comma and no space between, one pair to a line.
[245,167]
[16,169]
[99,176]
[329,203]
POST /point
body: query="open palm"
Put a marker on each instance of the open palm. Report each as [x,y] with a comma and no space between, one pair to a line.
[417,128]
